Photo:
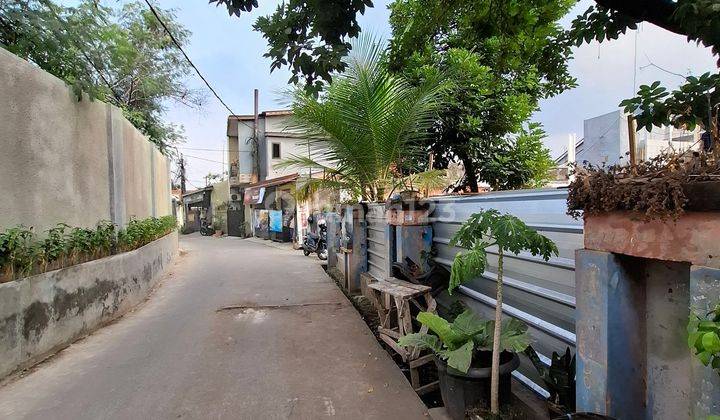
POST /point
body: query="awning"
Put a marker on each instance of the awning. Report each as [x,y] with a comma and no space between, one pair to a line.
[254,193]
[274,181]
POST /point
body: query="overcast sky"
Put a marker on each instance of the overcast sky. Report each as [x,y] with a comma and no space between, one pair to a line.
[230,55]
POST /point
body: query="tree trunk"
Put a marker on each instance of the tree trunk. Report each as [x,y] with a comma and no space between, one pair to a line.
[471,179]
[495,372]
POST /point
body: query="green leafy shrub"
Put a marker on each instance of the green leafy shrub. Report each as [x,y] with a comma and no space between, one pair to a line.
[19,251]
[141,232]
[704,337]
[23,254]
[458,341]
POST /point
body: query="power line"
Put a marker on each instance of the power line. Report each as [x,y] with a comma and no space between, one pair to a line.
[651,64]
[177,44]
[179,47]
[209,160]
[199,148]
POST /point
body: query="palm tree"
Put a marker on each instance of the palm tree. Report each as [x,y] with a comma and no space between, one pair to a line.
[364,132]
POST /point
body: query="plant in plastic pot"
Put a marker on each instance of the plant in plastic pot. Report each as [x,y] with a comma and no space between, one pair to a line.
[463,357]
[506,234]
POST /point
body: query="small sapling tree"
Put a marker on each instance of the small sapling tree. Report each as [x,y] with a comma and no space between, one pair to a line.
[509,234]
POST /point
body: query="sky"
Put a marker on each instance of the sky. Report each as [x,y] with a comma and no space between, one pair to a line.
[230,55]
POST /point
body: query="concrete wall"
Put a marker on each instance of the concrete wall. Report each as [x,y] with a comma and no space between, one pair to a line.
[604,137]
[220,194]
[71,161]
[41,314]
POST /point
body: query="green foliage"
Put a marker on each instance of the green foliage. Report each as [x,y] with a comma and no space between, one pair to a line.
[364,131]
[19,251]
[141,232]
[491,228]
[500,59]
[599,23]
[686,107]
[559,377]
[704,338]
[457,341]
[310,37]
[696,19]
[220,216]
[23,254]
[119,55]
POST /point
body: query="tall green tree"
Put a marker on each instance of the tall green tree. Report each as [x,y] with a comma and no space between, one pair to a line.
[310,37]
[120,55]
[502,57]
[366,129]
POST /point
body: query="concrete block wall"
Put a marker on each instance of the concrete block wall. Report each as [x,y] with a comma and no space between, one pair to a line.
[71,161]
[44,313]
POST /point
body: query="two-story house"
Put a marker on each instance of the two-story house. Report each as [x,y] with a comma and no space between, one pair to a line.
[262,202]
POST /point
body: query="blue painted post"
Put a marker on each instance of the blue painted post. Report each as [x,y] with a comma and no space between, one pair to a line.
[610,329]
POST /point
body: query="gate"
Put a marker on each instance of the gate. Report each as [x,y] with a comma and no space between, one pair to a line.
[236,222]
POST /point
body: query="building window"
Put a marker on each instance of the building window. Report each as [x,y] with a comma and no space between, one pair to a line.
[276,150]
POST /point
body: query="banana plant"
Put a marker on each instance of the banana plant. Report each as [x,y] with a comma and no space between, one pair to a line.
[508,234]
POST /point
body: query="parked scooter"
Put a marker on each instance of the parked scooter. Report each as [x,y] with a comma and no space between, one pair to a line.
[316,242]
[206,228]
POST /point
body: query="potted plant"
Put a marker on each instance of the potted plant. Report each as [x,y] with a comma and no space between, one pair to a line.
[218,222]
[559,379]
[507,233]
[463,357]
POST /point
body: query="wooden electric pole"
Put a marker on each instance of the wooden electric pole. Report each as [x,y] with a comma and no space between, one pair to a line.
[182,175]
[631,140]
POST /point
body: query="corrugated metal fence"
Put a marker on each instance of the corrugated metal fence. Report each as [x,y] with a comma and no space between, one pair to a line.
[378,247]
[540,293]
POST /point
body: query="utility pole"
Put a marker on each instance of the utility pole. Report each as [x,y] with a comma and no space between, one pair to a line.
[572,142]
[632,142]
[182,175]
[256,141]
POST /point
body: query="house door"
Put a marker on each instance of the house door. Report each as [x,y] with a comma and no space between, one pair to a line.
[235,222]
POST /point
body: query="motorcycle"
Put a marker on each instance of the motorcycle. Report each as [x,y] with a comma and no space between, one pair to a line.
[206,229]
[316,243]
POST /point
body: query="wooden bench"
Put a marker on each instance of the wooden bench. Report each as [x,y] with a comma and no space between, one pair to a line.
[393,299]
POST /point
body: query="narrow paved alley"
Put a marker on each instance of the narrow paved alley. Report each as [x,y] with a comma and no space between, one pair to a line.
[236,330]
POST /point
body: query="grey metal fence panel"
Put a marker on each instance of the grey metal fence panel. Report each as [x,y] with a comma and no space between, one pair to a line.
[538,292]
[378,241]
